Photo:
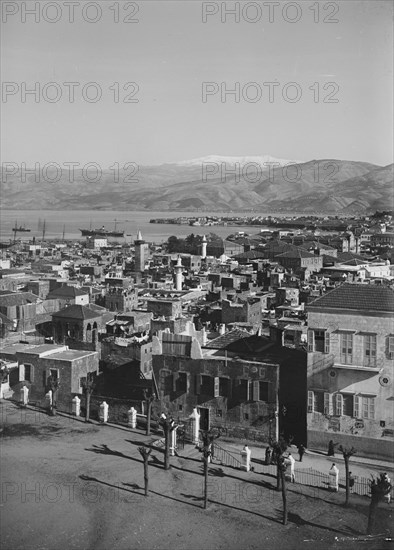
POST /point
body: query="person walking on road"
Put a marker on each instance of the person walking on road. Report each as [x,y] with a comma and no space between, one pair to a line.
[301,451]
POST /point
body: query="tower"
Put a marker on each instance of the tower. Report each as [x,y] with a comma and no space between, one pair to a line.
[178,274]
[204,248]
[139,256]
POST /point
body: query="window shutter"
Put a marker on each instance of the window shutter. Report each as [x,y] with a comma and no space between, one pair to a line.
[198,383]
[187,382]
[247,390]
[21,372]
[357,404]
[339,404]
[327,403]
[216,392]
[391,347]
[310,401]
[372,408]
[326,342]
[310,340]
[256,390]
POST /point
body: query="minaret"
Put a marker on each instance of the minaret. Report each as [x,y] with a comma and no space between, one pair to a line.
[139,256]
[204,248]
[178,274]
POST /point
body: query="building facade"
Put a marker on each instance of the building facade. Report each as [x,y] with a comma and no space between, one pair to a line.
[350,369]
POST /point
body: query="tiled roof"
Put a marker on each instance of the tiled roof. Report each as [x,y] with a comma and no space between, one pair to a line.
[10,299]
[297,253]
[250,255]
[226,339]
[76,312]
[67,292]
[356,296]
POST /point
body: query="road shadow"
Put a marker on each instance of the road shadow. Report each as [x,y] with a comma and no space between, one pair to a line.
[299,521]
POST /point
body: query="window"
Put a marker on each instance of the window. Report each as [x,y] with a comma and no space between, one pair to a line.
[264,386]
[368,407]
[348,404]
[370,350]
[28,372]
[319,340]
[207,387]
[346,342]
[318,401]
[54,373]
[224,387]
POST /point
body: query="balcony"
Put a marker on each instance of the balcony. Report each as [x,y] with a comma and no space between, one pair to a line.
[361,368]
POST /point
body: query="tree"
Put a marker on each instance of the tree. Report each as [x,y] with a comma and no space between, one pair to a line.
[380,487]
[149,402]
[278,448]
[145,453]
[88,386]
[282,473]
[53,386]
[347,453]
[208,438]
[168,425]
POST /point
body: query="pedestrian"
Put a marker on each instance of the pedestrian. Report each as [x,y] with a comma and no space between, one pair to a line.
[331,448]
[268,455]
[333,476]
[351,480]
[301,451]
[292,462]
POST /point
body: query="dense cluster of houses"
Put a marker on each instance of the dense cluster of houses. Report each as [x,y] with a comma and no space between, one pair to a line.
[274,333]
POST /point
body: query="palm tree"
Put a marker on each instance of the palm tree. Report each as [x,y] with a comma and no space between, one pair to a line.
[380,487]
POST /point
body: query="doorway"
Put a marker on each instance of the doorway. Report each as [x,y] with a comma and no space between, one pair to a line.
[204,418]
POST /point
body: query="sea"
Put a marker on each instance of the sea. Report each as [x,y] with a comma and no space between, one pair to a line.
[130,222]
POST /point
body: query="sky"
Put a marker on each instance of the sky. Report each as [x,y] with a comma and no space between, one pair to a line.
[328,66]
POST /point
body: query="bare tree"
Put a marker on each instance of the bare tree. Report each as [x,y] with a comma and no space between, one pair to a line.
[380,487]
[168,425]
[149,398]
[145,453]
[278,448]
[208,438]
[282,473]
[347,454]
[88,386]
[53,386]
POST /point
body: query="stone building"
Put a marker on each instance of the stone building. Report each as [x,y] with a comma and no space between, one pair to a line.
[350,369]
[121,299]
[69,367]
[240,396]
[239,310]
[78,323]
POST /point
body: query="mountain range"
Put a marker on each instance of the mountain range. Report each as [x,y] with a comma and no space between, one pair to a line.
[212,183]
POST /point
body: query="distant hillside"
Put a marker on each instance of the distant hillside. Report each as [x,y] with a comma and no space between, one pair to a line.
[326,185]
